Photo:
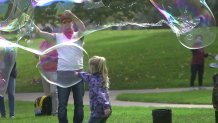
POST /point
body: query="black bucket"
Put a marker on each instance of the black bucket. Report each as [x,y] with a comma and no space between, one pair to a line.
[216,116]
[162,116]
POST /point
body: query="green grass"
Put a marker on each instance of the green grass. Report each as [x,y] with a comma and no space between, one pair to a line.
[186,97]
[26,63]
[25,114]
[137,59]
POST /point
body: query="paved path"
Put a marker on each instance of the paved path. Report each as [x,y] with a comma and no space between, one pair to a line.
[114,93]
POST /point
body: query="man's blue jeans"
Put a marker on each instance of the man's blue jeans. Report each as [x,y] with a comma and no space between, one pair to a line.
[11,98]
[63,96]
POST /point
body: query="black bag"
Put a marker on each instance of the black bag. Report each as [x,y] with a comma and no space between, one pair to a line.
[43,106]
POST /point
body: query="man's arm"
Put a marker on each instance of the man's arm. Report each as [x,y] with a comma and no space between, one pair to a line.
[80,25]
[47,36]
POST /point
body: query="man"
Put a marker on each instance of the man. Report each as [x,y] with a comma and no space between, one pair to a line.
[70,59]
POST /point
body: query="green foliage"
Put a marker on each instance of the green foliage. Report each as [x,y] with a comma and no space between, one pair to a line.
[115,11]
[213,6]
[40,12]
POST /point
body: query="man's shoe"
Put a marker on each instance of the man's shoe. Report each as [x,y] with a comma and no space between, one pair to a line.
[192,88]
[201,88]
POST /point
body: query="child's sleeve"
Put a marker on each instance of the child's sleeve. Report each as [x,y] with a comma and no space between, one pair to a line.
[85,76]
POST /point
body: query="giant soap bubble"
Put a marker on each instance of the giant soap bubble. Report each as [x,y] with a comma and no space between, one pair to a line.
[95,14]
[189,19]
[7,61]
[14,15]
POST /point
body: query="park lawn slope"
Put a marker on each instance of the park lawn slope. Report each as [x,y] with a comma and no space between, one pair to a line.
[137,59]
[185,97]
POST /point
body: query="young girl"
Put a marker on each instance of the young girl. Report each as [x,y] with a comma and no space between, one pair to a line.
[98,81]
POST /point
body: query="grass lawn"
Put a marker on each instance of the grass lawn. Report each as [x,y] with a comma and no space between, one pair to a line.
[186,97]
[25,114]
[137,59]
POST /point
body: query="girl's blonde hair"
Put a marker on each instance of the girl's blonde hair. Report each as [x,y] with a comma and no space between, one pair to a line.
[98,64]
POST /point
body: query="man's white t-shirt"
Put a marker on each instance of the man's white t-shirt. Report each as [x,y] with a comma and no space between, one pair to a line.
[70,58]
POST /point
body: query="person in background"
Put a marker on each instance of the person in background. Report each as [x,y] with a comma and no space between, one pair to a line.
[98,81]
[197,62]
[10,91]
[48,63]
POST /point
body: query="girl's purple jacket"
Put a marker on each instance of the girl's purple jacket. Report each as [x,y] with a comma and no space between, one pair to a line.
[98,95]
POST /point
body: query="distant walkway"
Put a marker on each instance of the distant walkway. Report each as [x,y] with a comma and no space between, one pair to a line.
[114,93]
